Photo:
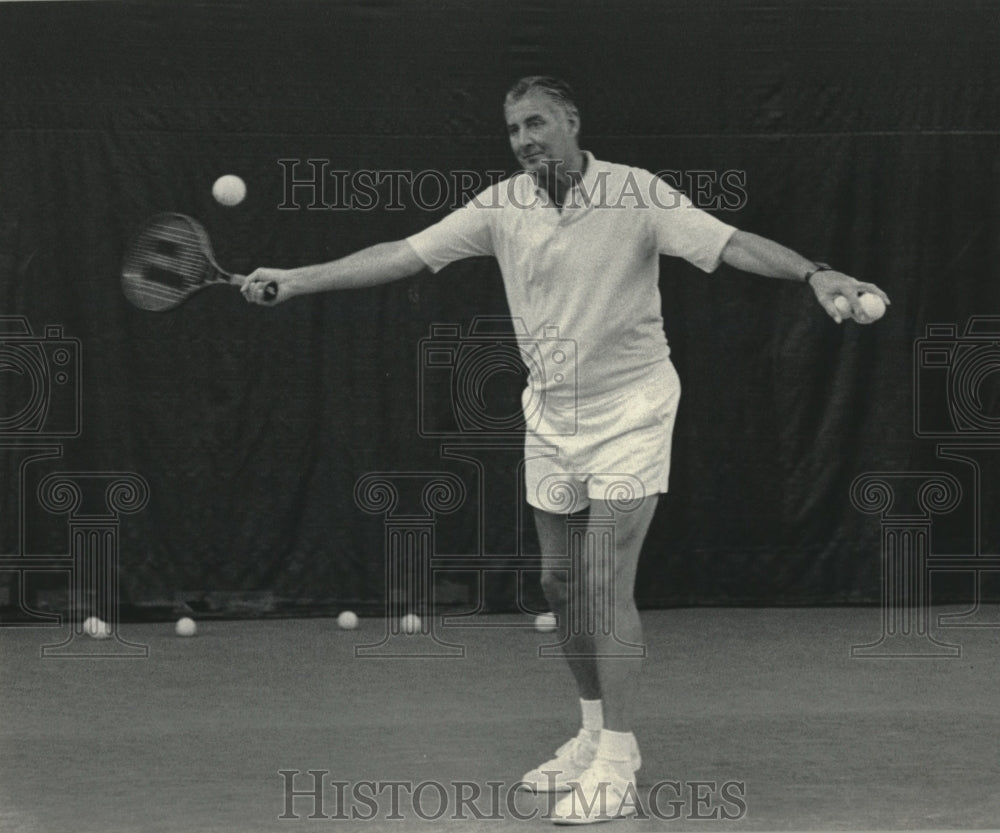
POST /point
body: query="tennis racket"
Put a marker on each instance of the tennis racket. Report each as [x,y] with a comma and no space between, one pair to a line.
[169,260]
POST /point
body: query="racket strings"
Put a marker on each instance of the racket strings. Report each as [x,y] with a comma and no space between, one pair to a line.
[161,275]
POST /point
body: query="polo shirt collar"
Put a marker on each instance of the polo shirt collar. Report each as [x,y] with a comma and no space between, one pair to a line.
[574,203]
[590,175]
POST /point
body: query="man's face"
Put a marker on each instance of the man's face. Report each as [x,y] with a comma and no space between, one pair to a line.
[541,132]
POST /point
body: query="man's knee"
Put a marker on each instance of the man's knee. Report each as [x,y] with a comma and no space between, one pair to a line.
[611,578]
[607,590]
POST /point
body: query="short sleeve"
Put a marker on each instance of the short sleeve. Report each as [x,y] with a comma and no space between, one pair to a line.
[466,232]
[680,229]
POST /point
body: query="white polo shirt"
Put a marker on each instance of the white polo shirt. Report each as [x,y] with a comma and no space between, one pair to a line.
[584,279]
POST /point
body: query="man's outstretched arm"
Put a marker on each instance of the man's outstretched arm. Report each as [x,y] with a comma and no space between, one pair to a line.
[760,256]
[381,263]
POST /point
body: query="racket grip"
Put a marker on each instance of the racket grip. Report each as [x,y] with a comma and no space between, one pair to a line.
[271,291]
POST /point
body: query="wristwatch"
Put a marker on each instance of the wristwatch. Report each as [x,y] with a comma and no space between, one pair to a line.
[819,267]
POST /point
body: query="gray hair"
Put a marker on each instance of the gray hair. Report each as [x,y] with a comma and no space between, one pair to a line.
[555,88]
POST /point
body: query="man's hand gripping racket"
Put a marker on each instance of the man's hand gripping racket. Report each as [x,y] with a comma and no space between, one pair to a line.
[170,259]
[267,286]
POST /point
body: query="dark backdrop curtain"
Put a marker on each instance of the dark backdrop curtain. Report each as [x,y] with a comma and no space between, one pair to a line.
[865,133]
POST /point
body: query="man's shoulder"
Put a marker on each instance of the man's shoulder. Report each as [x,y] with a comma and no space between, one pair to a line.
[616,184]
[621,172]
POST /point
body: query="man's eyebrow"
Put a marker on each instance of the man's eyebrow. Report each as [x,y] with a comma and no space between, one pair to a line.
[530,117]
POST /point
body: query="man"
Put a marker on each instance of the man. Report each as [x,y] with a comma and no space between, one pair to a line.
[578,241]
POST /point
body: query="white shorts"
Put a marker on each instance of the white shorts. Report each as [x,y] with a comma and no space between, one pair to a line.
[614,447]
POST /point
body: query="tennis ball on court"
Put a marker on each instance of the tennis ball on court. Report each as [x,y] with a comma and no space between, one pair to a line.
[348,620]
[229,190]
[545,622]
[97,628]
[873,306]
[410,623]
[843,306]
[185,627]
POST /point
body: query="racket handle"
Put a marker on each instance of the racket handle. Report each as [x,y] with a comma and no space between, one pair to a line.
[270,288]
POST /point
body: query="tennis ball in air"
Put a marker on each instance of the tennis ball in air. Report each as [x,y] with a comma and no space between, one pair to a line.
[229,190]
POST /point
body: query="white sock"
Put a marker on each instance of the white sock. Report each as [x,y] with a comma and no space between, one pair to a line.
[593,718]
[615,746]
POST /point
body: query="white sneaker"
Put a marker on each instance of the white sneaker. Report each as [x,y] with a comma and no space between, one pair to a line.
[605,791]
[559,774]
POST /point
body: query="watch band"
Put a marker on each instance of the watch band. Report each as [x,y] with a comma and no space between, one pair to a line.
[819,267]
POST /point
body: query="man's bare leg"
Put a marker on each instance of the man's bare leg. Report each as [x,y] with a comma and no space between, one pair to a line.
[611,578]
[559,587]
[558,581]
[610,549]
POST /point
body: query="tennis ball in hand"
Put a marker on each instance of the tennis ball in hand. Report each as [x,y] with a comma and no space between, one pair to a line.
[843,306]
[229,190]
[873,306]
